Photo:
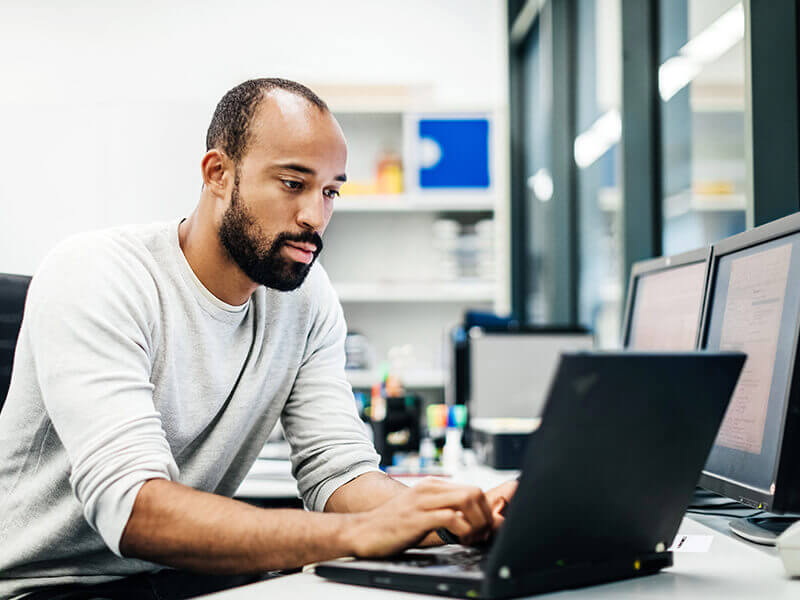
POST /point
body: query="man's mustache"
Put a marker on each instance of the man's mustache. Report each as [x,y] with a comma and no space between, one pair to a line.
[306,237]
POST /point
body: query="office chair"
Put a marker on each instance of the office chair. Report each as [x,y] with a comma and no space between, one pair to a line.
[13,289]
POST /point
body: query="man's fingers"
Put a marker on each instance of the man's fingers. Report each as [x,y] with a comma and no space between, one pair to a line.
[499,507]
[486,509]
[504,490]
[470,501]
[479,515]
[433,483]
[497,521]
[446,518]
[452,496]
[459,525]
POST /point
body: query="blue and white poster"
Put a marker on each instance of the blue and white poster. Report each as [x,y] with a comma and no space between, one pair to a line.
[453,153]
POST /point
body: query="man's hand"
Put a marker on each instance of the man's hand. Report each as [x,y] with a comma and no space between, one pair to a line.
[498,499]
[408,517]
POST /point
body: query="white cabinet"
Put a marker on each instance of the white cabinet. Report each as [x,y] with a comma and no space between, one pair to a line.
[391,272]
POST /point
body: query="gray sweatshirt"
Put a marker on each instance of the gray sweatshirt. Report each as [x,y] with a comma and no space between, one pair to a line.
[127,368]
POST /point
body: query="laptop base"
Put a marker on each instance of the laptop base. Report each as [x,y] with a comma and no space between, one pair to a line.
[482,586]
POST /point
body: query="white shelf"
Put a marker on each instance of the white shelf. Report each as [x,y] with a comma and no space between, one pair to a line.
[402,106]
[716,202]
[416,291]
[392,98]
[683,202]
[430,202]
[413,379]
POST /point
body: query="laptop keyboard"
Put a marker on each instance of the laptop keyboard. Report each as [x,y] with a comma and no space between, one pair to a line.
[467,559]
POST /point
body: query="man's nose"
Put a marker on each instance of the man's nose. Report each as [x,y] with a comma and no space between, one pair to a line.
[311,213]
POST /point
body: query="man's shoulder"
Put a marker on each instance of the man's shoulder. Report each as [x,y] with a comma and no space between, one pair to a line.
[104,247]
[106,261]
[115,240]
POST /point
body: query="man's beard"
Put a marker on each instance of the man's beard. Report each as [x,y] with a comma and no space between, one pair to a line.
[259,257]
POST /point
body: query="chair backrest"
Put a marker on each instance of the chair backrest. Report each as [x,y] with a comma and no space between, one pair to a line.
[13,289]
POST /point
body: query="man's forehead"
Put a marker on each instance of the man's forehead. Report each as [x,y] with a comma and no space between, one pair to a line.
[285,123]
[280,107]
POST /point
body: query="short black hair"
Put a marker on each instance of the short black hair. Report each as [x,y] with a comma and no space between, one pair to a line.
[231,121]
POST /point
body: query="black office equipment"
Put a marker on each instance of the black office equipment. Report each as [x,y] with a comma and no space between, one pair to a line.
[509,371]
[665,302]
[500,369]
[396,426]
[13,289]
[501,445]
[457,387]
[753,305]
[605,483]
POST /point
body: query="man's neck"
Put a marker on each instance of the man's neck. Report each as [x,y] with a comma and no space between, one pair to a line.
[210,262]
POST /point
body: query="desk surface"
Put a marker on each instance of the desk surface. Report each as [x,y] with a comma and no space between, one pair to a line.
[272,479]
[269,479]
[732,568]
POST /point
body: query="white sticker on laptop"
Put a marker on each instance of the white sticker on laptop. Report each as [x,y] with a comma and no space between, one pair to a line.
[691,543]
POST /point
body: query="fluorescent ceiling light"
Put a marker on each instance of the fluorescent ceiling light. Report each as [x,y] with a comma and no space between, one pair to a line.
[703,49]
[525,18]
[598,139]
[719,37]
[676,74]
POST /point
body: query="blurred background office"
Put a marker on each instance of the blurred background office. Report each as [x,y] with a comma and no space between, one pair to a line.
[593,133]
[642,128]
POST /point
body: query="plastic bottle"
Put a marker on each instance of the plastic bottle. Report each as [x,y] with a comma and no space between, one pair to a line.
[452,453]
[427,453]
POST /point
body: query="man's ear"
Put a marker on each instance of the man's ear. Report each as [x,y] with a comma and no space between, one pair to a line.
[214,166]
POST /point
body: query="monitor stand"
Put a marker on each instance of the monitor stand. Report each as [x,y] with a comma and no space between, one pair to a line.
[762,529]
[706,500]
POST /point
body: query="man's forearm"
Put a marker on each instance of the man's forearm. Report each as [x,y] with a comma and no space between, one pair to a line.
[364,493]
[178,526]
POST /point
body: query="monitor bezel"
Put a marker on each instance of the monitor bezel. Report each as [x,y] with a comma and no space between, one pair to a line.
[786,497]
[663,263]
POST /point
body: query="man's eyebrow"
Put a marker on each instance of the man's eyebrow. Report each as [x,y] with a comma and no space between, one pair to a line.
[307,170]
[297,167]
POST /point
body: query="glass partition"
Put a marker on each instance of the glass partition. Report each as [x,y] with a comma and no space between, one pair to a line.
[542,305]
[597,155]
[701,82]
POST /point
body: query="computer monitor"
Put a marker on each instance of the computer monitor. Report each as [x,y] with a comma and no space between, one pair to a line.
[510,371]
[665,302]
[753,305]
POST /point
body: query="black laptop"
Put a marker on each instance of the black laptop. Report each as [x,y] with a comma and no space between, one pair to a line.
[606,480]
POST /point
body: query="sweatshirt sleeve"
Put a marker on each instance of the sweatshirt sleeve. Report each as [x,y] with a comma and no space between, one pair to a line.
[330,445]
[88,312]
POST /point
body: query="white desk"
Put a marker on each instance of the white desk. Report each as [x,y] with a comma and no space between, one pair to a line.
[272,479]
[730,569]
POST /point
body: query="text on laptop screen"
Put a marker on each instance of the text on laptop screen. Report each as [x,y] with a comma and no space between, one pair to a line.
[754,310]
[666,308]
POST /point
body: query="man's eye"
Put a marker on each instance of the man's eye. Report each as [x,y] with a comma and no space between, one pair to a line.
[332,193]
[291,184]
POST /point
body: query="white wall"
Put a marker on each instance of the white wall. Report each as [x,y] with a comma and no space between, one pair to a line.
[104,105]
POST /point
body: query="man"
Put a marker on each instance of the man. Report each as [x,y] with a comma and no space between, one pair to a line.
[153,361]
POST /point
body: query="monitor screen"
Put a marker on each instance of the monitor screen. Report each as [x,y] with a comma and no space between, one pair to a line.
[511,373]
[754,310]
[667,306]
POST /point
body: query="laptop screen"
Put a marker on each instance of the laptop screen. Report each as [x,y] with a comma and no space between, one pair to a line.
[666,310]
[754,309]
